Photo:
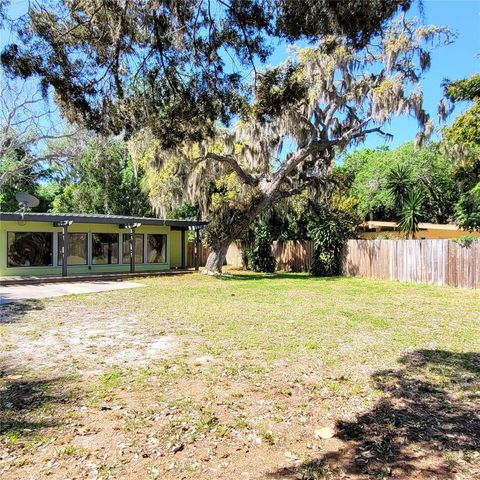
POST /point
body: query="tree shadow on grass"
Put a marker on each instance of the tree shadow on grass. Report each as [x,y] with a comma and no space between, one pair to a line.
[27,406]
[275,276]
[428,417]
[28,401]
[13,312]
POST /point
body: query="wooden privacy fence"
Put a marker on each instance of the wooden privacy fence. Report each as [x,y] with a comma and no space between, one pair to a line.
[293,255]
[438,262]
[191,255]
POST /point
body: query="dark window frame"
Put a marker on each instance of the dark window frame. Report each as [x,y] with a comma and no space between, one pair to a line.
[92,256]
[165,260]
[52,249]
[136,243]
[59,250]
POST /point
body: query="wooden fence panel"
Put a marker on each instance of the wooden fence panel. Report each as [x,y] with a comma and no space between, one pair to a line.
[204,251]
[293,255]
[439,262]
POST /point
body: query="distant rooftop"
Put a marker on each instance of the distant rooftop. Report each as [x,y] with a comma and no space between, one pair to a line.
[421,225]
[97,218]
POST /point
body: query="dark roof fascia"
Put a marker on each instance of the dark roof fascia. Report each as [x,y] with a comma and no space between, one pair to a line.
[92,218]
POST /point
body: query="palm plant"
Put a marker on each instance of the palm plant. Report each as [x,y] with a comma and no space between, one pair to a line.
[399,182]
[411,214]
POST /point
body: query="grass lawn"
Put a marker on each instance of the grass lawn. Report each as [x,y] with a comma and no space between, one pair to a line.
[245,377]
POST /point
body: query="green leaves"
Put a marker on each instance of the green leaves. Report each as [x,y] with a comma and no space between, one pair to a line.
[467,89]
[467,210]
[382,179]
[330,226]
[412,214]
[174,67]
[399,182]
[103,180]
[261,257]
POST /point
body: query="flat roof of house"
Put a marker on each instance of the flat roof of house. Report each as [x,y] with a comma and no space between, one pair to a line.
[97,218]
[421,225]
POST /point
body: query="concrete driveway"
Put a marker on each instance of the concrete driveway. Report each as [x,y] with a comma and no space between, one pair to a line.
[19,292]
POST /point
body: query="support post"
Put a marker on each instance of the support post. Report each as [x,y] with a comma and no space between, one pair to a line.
[131,242]
[197,249]
[65,251]
[183,249]
[132,250]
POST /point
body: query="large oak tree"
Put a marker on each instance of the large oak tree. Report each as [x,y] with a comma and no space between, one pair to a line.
[310,109]
[181,68]
[175,66]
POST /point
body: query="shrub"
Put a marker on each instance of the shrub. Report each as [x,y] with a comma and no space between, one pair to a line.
[466,240]
[386,236]
[329,228]
[467,210]
[260,258]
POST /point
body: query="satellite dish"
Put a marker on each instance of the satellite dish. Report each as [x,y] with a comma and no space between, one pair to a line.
[25,200]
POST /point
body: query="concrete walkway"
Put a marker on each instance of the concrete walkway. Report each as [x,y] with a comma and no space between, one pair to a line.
[17,293]
[87,277]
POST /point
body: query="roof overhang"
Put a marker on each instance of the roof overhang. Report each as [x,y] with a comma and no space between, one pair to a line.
[100,219]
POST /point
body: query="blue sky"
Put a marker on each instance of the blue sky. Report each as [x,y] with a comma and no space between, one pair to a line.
[457,60]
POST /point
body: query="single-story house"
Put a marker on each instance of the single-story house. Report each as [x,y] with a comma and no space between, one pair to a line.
[376,228]
[34,243]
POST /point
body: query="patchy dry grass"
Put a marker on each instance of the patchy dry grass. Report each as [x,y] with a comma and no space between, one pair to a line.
[194,377]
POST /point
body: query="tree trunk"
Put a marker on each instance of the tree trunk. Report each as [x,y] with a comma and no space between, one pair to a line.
[216,259]
[236,226]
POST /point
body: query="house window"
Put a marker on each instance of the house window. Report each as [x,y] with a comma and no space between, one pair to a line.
[104,248]
[29,249]
[138,248]
[77,248]
[157,248]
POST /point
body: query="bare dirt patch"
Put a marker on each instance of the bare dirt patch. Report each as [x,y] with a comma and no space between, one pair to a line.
[85,341]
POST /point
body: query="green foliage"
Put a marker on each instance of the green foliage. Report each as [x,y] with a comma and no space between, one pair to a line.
[467,210]
[104,180]
[329,228]
[358,21]
[467,169]
[36,179]
[162,64]
[462,138]
[277,88]
[411,214]
[465,130]
[261,257]
[185,211]
[467,89]
[399,182]
[231,212]
[289,217]
[466,240]
[381,179]
[386,236]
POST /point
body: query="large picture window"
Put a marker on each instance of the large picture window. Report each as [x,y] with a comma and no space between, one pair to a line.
[29,249]
[77,248]
[138,248]
[104,248]
[157,248]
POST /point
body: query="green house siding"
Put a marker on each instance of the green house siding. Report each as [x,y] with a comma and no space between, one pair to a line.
[173,248]
[176,248]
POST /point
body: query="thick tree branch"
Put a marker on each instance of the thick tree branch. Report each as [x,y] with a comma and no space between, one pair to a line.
[231,161]
[293,160]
